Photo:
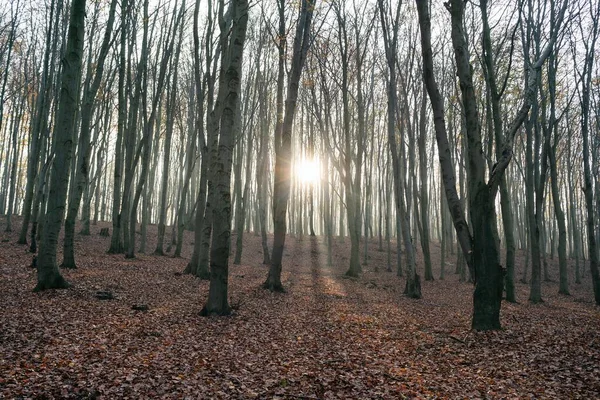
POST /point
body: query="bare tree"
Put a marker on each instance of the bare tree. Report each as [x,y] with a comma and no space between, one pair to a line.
[283,143]
[480,249]
[229,92]
[49,276]
[390,36]
[91,87]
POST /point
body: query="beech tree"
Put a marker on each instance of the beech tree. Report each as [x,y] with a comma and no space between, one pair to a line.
[390,35]
[49,276]
[228,96]
[584,72]
[480,249]
[91,86]
[283,142]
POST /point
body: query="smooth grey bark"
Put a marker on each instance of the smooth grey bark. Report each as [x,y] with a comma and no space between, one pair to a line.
[149,123]
[49,276]
[283,143]
[390,35]
[229,93]
[84,147]
[40,121]
[480,249]
[116,240]
[586,82]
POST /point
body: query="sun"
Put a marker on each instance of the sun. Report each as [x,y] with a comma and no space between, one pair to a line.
[308,171]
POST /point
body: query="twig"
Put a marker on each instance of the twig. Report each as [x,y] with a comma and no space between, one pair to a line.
[457,339]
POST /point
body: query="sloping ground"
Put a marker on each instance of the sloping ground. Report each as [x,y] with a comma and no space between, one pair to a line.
[328,337]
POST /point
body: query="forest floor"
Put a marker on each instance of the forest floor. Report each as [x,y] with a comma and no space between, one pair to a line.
[327,337]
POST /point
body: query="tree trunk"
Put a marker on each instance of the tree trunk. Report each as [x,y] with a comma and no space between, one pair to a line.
[480,250]
[83,151]
[423,192]
[116,241]
[162,214]
[390,35]
[283,143]
[39,125]
[49,276]
[149,123]
[587,167]
[229,90]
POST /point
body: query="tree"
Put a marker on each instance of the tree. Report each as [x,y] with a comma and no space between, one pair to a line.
[283,142]
[390,36]
[149,123]
[38,129]
[49,276]
[495,95]
[83,153]
[229,89]
[480,249]
[116,241]
[203,84]
[585,74]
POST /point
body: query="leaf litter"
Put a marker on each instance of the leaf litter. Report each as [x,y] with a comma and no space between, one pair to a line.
[325,338]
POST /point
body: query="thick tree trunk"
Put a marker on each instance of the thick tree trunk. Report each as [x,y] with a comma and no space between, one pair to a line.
[230,86]
[84,147]
[481,249]
[49,276]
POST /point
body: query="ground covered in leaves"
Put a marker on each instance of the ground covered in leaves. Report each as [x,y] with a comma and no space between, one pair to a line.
[326,338]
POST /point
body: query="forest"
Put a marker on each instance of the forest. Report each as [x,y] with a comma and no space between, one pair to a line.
[309,199]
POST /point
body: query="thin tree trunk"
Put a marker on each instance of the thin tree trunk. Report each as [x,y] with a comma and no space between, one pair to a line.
[283,143]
